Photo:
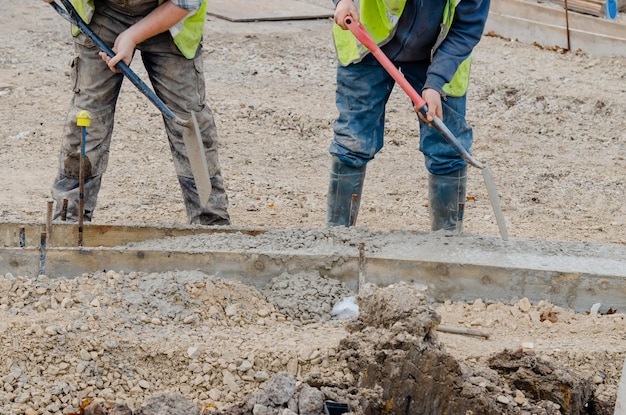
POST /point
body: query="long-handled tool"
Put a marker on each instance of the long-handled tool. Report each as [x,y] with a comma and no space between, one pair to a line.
[361,33]
[191,131]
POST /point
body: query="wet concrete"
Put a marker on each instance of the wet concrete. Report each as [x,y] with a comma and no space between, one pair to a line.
[453,267]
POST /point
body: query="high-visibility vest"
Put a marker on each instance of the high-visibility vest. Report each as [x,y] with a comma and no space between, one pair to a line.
[187,33]
[380,18]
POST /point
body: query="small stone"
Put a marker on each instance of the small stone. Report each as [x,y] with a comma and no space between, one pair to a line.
[503,399]
[524,305]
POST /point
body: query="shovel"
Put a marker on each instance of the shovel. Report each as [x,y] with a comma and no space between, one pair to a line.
[361,33]
[191,132]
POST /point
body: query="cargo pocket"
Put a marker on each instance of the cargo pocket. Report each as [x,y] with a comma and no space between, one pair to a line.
[74,74]
[198,64]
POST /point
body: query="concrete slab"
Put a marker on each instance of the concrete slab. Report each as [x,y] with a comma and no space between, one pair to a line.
[247,11]
[530,22]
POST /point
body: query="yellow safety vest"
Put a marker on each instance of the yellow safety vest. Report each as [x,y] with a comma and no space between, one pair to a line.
[187,33]
[380,18]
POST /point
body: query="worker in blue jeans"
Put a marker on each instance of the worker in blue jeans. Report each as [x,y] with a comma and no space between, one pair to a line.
[431,42]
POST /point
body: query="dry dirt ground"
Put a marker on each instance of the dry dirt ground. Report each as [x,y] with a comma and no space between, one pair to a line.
[551,126]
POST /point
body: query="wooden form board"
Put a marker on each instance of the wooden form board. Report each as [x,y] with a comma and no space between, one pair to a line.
[460,270]
[592,7]
[531,22]
[249,11]
[66,234]
[444,280]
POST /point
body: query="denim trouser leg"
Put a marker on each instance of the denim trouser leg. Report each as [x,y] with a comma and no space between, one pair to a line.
[440,157]
[363,90]
[362,93]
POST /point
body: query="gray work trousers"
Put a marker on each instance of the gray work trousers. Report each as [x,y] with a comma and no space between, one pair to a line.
[178,81]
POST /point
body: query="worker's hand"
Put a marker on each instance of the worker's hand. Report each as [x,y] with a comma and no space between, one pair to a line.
[433,101]
[124,49]
[346,8]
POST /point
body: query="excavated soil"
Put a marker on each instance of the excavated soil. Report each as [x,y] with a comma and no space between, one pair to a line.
[550,125]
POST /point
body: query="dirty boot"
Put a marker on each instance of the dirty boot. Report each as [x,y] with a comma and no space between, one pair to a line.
[215,212]
[344,194]
[446,195]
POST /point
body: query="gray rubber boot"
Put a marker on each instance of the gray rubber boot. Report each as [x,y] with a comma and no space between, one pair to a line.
[446,195]
[344,194]
[215,212]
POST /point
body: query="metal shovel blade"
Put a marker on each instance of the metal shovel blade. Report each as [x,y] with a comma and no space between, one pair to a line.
[197,159]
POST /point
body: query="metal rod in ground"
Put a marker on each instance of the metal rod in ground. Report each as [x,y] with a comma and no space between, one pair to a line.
[361,265]
[22,236]
[569,45]
[64,210]
[49,222]
[42,254]
[81,199]
[83,119]
[461,330]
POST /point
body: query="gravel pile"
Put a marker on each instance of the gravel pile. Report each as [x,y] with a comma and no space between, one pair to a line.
[119,337]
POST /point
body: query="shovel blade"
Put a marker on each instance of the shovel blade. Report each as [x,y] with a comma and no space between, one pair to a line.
[197,159]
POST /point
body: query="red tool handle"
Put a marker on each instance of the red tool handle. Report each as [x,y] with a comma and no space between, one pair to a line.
[366,39]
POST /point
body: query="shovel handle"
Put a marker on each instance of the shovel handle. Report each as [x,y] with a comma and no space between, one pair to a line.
[361,33]
[72,16]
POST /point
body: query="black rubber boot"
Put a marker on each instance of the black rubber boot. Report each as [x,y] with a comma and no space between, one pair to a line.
[344,194]
[446,195]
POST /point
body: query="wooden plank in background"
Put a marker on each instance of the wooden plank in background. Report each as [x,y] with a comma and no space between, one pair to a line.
[593,7]
[249,11]
[531,22]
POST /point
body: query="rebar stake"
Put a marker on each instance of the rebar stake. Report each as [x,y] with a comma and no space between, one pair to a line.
[361,265]
[49,222]
[83,119]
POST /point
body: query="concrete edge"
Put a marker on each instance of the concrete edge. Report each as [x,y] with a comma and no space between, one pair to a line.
[444,280]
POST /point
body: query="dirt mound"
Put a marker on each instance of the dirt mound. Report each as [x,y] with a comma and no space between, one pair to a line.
[119,338]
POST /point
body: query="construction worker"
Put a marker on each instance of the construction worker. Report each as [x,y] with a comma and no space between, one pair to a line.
[168,33]
[430,41]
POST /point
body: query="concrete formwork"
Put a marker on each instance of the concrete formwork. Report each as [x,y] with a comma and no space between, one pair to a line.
[548,25]
[467,267]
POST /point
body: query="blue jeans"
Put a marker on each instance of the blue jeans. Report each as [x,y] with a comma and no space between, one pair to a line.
[363,90]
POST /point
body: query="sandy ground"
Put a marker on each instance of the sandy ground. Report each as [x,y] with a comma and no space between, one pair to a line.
[550,125]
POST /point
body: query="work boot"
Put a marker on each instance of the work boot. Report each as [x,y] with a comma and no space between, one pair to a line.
[215,212]
[68,188]
[344,193]
[446,195]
